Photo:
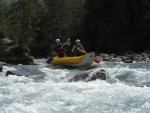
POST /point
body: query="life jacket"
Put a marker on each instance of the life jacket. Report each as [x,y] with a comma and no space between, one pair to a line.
[58,49]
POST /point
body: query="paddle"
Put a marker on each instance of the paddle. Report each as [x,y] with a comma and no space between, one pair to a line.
[49,60]
[65,43]
[81,50]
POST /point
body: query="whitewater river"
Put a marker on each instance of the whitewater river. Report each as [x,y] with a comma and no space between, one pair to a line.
[126,90]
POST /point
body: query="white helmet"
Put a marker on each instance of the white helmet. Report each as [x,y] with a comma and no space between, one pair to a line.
[57,40]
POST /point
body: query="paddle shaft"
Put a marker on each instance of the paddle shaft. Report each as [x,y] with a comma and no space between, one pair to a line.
[65,43]
[81,50]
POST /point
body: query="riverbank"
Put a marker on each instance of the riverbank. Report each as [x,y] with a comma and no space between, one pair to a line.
[128,57]
[11,53]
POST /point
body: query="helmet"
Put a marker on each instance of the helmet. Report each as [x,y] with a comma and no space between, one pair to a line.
[77,41]
[57,40]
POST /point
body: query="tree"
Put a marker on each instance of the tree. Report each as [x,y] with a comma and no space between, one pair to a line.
[61,19]
[23,20]
[1,18]
[116,26]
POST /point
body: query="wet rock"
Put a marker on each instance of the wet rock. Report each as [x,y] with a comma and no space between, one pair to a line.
[98,75]
[147,59]
[17,55]
[107,59]
[113,55]
[128,61]
[128,57]
[118,59]
[137,57]
[1,65]
[12,54]
[104,55]
[124,58]
[144,54]
[89,76]
[26,71]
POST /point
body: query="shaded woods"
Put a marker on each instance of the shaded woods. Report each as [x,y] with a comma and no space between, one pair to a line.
[113,26]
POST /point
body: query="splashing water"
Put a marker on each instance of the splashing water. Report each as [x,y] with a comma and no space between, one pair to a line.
[52,93]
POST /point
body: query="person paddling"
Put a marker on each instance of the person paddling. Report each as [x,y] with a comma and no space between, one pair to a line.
[68,48]
[62,49]
[78,48]
[59,50]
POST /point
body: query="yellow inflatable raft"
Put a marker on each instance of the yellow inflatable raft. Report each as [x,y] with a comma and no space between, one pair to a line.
[81,61]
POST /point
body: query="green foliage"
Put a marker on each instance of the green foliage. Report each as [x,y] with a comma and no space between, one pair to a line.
[22,21]
[1,18]
[61,19]
[108,26]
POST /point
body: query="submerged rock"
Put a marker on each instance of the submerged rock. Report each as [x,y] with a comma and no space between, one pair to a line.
[90,76]
[22,70]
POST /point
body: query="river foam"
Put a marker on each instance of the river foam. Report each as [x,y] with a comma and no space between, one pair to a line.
[52,93]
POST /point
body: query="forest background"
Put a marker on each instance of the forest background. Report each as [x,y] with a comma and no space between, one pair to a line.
[108,26]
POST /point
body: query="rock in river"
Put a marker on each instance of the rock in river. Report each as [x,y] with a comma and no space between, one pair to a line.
[90,76]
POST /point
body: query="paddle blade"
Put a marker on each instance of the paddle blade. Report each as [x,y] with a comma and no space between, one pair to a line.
[49,60]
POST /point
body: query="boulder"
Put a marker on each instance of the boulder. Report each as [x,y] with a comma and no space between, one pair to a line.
[7,42]
[1,65]
[144,54]
[146,59]
[128,61]
[90,76]
[137,57]
[26,71]
[124,58]
[113,55]
[101,74]
[17,55]
[104,55]
[107,59]
[118,59]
